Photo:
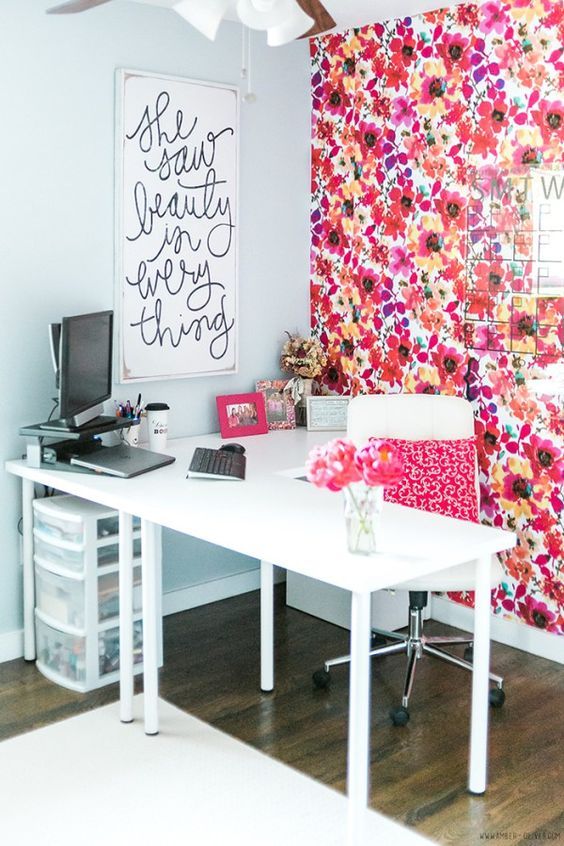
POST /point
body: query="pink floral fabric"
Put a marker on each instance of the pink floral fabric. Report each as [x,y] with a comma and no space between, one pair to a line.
[439,476]
[419,125]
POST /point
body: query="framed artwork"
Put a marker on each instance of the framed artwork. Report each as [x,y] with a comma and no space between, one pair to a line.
[241,415]
[280,411]
[176,227]
[327,414]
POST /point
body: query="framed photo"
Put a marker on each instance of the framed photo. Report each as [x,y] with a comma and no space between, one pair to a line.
[241,415]
[280,412]
[327,414]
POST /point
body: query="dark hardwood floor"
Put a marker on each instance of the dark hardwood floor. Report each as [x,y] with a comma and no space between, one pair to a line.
[419,772]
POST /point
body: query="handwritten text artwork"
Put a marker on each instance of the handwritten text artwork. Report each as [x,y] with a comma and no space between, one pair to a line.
[177,244]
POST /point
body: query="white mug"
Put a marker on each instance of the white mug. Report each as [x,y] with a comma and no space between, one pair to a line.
[157,425]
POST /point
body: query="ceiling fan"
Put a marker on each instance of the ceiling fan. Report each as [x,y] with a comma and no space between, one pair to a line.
[283,20]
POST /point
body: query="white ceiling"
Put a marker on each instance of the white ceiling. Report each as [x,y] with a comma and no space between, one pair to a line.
[349,13]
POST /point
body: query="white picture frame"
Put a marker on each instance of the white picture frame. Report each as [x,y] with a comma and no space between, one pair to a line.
[177,187]
[327,414]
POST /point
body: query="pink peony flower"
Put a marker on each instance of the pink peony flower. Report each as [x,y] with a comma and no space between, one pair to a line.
[332,466]
[379,463]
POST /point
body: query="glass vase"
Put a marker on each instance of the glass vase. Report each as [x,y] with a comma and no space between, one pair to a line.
[363,507]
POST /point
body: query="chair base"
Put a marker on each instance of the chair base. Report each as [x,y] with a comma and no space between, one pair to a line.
[415,645]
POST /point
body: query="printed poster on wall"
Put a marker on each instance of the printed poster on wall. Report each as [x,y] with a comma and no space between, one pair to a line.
[177,168]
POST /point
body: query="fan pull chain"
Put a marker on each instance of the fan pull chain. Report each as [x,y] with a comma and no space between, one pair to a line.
[248,97]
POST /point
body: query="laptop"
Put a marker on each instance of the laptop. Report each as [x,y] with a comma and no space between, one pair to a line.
[122,460]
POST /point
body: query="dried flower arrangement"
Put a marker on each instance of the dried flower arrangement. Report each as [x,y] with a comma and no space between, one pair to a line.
[304,357]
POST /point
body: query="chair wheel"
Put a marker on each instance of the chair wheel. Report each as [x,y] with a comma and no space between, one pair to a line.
[469,653]
[377,640]
[496,697]
[399,716]
[321,679]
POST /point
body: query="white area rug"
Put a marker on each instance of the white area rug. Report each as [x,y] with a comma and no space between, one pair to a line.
[91,780]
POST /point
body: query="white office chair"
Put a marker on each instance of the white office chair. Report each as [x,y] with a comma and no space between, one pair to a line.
[417,417]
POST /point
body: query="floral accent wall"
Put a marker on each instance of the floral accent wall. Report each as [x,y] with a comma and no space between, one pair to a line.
[428,134]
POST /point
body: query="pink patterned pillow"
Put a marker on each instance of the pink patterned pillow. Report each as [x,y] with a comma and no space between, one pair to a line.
[438,476]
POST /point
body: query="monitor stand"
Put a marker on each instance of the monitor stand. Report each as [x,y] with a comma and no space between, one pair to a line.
[98,426]
[95,424]
[87,437]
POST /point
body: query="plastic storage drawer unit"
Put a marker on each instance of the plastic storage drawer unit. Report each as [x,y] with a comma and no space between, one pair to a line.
[108,595]
[52,520]
[108,648]
[60,555]
[60,598]
[61,656]
[76,554]
[109,553]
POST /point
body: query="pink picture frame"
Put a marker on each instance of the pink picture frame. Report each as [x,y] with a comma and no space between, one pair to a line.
[280,411]
[241,415]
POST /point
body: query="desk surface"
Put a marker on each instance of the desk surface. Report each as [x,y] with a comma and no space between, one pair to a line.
[295,524]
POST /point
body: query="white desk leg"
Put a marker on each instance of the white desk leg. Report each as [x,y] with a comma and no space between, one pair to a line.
[266,626]
[358,762]
[480,681]
[125,617]
[28,572]
[149,563]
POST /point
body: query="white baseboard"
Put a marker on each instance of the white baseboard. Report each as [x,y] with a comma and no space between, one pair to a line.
[509,632]
[11,645]
[206,592]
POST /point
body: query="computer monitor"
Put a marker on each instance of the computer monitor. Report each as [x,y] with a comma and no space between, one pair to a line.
[81,348]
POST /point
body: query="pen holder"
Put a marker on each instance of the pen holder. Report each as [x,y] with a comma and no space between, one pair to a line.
[131,435]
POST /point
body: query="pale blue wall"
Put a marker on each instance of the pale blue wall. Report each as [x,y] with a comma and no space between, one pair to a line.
[57,210]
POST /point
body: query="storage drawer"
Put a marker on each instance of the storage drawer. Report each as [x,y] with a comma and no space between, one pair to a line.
[60,653]
[108,526]
[60,598]
[62,526]
[109,553]
[108,648]
[108,594]
[51,552]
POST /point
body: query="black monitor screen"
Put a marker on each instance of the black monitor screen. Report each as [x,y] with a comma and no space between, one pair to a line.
[85,361]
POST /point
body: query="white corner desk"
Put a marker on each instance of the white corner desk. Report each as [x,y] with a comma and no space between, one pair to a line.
[278,519]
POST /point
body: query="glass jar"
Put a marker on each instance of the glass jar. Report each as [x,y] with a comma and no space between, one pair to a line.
[363,507]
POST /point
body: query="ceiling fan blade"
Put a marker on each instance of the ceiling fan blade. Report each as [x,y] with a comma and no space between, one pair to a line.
[75,6]
[316,10]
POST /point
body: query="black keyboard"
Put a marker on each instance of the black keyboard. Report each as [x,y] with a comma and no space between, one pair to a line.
[217,464]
